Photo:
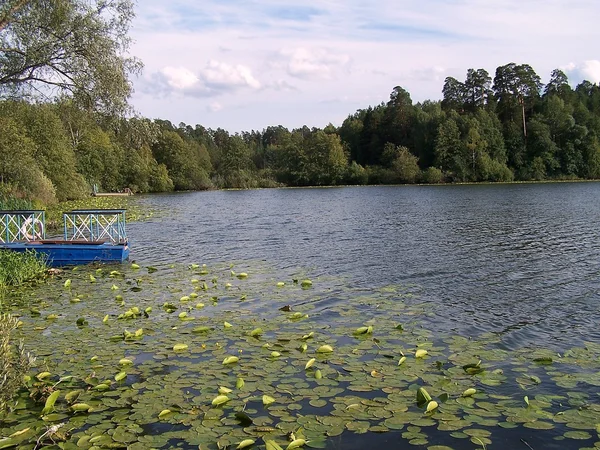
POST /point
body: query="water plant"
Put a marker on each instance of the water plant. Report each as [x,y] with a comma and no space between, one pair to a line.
[145,378]
[14,361]
[16,268]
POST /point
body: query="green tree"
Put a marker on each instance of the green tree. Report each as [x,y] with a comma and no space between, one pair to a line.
[53,151]
[558,84]
[448,144]
[398,117]
[181,160]
[516,87]
[477,88]
[74,47]
[454,94]
[18,167]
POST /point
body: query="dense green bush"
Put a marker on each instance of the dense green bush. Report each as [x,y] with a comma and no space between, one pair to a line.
[17,268]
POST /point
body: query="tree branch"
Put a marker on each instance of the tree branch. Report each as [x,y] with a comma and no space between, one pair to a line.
[5,19]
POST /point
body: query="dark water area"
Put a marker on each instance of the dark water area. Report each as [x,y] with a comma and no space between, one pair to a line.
[520,260]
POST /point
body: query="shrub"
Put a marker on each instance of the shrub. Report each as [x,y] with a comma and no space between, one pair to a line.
[433,175]
[16,268]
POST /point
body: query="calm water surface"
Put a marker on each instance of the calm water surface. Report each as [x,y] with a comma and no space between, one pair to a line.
[518,260]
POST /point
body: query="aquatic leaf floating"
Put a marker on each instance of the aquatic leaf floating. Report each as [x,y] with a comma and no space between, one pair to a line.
[432,405]
[267,400]
[421,353]
[220,400]
[256,332]
[180,347]
[164,413]
[363,330]
[325,349]
[423,396]
[296,443]
[120,376]
[469,392]
[473,369]
[80,407]
[245,443]
[50,401]
[230,360]
[272,445]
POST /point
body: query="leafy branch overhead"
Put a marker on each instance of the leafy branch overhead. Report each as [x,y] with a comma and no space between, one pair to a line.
[78,48]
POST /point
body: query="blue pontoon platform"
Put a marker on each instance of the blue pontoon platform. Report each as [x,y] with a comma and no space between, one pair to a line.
[89,235]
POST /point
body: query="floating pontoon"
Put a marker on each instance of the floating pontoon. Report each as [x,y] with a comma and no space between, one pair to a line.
[89,235]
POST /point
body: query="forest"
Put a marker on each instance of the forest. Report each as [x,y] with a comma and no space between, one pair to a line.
[82,132]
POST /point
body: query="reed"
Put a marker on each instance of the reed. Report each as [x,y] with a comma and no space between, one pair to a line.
[14,361]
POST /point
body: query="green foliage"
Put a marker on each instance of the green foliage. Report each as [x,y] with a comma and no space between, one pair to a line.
[9,198]
[433,175]
[478,132]
[14,362]
[18,166]
[17,268]
[75,47]
[356,174]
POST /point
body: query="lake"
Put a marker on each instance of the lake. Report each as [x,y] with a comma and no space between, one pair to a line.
[520,259]
[497,286]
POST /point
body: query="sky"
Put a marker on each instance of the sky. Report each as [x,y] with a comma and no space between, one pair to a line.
[244,65]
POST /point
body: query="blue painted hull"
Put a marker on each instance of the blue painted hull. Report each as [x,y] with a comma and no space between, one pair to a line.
[71,254]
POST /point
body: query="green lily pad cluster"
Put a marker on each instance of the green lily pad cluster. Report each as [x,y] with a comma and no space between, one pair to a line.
[192,355]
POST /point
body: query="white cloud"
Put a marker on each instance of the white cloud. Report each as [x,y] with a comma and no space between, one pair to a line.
[179,77]
[214,79]
[315,63]
[215,107]
[587,70]
[220,74]
[275,63]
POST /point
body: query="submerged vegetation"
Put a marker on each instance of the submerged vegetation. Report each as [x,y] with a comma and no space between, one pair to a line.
[17,268]
[188,356]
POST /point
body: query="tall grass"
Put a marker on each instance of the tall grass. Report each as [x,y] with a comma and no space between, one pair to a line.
[14,362]
[16,267]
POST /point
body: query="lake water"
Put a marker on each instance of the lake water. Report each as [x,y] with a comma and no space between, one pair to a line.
[521,260]
[499,283]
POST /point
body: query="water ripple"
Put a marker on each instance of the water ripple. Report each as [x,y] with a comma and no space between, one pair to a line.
[517,260]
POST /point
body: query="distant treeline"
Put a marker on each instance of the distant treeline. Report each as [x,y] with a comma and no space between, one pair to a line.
[507,128]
